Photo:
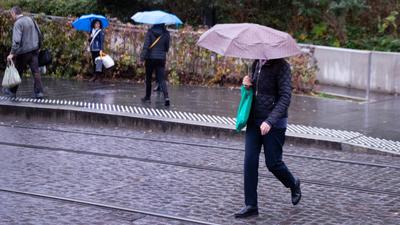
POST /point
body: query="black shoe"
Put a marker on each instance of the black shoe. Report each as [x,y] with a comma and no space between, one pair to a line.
[247,211]
[167,103]
[296,193]
[146,100]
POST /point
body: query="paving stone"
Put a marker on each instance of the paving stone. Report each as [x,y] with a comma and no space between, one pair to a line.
[163,187]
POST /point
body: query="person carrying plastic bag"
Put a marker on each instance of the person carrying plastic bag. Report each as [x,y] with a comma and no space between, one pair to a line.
[11,76]
[26,43]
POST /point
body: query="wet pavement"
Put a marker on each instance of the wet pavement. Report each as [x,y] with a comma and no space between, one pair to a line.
[377,119]
[180,175]
[44,211]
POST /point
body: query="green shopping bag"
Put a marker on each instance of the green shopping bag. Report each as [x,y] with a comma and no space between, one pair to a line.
[244,108]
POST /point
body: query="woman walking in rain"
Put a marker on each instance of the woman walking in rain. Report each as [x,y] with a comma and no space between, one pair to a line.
[96,44]
[266,126]
[270,85]
[154,54]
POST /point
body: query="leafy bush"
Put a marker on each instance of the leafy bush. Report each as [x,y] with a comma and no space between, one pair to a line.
[54,7]
[5,40]
[304,70]
[361,24]
[187,63]
[67,46]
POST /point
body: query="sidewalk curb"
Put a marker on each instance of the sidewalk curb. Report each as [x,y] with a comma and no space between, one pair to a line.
[72,114]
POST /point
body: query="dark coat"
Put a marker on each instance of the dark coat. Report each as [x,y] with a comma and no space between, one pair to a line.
[159,51]
[272,91]
[98,43]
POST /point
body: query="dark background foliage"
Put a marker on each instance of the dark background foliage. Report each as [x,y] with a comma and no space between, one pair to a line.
[360,24]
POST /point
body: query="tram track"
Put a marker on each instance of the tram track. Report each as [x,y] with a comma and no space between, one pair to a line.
[106,206]
[344,161]
[197,167]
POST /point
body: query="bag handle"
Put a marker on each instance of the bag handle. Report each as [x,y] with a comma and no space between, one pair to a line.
[40,35]
[155,42]
[10,63]
[102,54]
[95,35]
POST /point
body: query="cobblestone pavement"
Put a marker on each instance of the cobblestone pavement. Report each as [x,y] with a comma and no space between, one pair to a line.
[119,167]
[32,210]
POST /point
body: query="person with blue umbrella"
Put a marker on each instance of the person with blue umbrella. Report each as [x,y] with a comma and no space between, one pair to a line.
[155,48]
[94,24]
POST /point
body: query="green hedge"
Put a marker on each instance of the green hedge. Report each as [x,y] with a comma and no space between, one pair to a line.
[187,63]
[67,45]
[54,7]
[359,24]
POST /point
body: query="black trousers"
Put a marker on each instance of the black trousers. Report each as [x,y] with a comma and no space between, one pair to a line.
[273,143]
[30,59]
[157,65]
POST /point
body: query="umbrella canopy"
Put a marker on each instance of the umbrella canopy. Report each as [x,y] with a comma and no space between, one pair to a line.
[249,41]
[156,17]
[84,23]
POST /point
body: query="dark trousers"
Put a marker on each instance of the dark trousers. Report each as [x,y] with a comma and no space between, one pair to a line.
[273,143]
[30,59]
[157,65]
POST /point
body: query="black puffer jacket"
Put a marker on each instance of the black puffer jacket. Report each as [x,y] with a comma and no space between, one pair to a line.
[159,51]
[272,91]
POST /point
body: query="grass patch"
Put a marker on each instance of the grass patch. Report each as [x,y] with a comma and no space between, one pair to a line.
[336,97]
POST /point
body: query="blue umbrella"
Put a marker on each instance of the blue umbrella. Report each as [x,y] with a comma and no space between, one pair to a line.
[84,23]
[156,17]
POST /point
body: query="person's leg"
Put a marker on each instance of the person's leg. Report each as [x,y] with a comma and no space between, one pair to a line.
[160,71]
[20,64]
[273,143]
[251,159]
[95,54]
[33,58]
[149,67]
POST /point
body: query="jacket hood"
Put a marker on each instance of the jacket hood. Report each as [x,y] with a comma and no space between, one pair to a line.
[158,29]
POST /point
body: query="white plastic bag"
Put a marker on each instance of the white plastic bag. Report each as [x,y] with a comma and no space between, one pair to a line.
[11,76]
[108,62]
[43,70]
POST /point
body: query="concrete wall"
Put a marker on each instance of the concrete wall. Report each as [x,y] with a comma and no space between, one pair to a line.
[349,68]
[385,72]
